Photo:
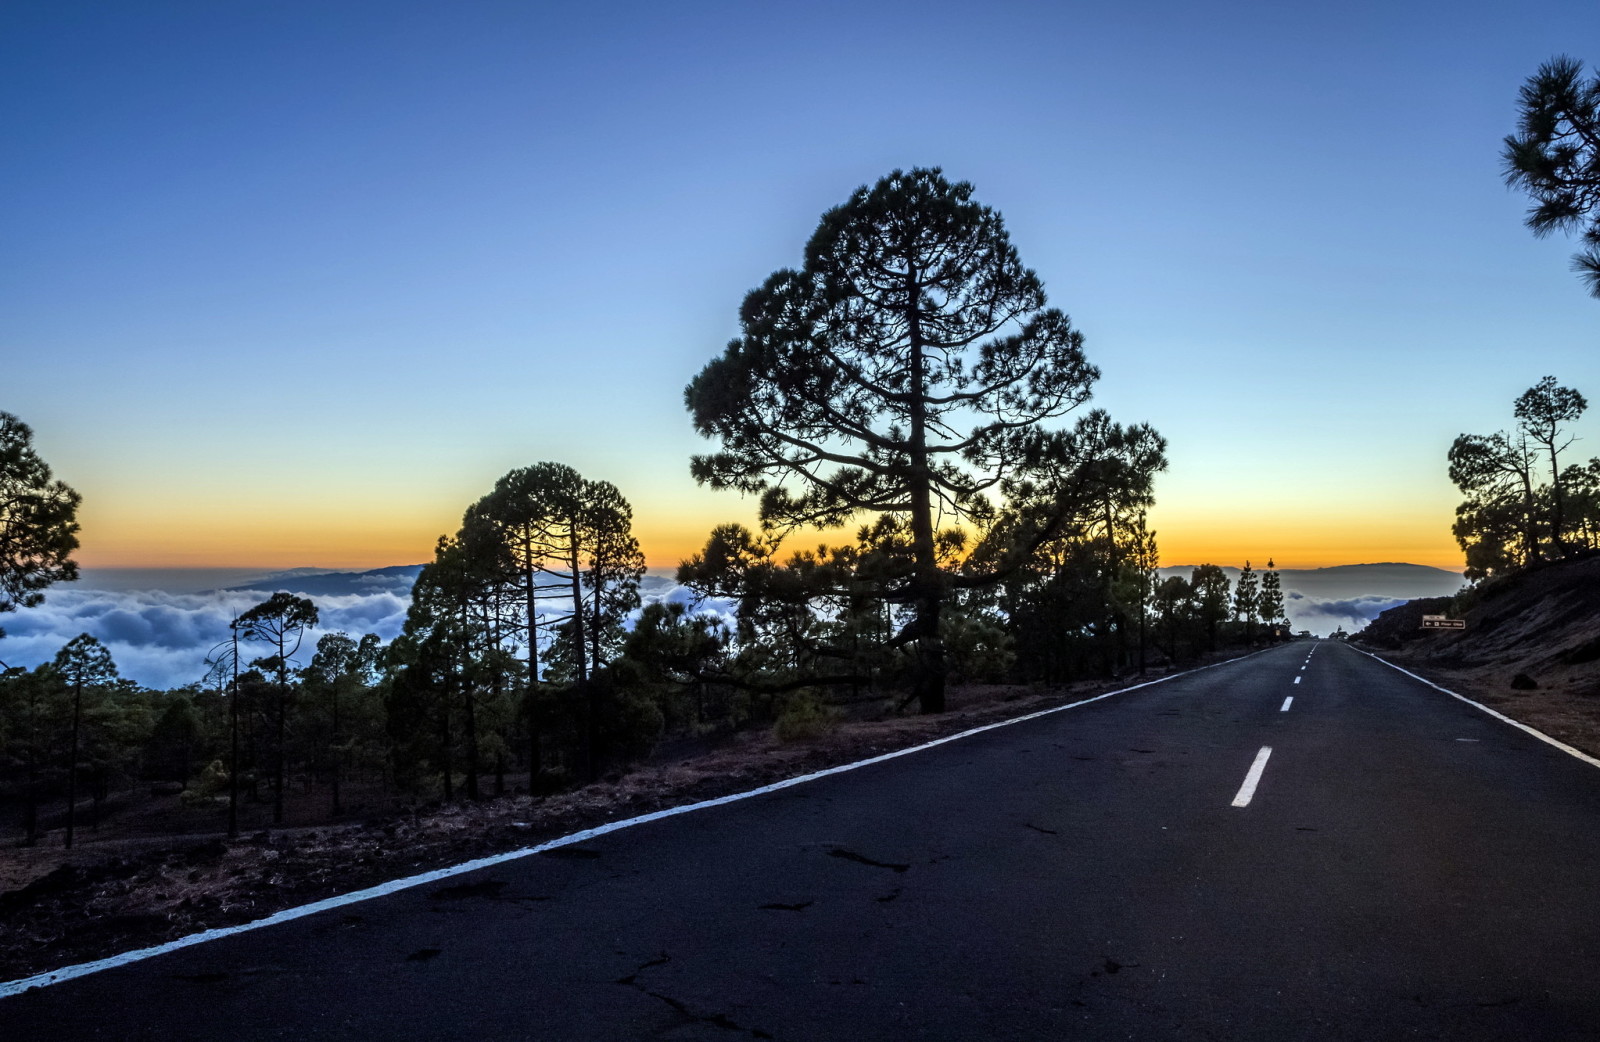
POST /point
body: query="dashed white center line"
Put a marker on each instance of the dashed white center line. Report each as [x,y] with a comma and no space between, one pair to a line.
[1253,778]
[1286,702]
[1297,680]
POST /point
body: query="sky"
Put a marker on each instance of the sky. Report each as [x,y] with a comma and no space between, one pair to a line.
[291,284]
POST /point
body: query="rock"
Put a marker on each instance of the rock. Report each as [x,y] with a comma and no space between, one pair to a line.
[1523,682]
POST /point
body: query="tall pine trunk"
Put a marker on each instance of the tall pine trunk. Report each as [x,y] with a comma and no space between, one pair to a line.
[927,583]
[535,759]
[72,761]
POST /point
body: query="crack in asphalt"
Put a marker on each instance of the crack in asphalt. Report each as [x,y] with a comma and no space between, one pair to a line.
[862,859]
[718,1020]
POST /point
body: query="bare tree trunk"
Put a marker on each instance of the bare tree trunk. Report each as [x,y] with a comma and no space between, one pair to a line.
[469,705]
[929,676]
[31,812]
[337,809]
[591,721]
[72,760]
[535,757]
[446,767]
[278,770]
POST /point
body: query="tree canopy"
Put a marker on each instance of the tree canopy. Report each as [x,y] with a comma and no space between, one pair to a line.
[38,521]
[1555,157]
[1511,517]
[907,368]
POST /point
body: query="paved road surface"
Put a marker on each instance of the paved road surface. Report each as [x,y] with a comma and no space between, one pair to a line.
[1406,867]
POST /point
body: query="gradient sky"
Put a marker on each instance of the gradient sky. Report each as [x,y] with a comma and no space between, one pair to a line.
[291,284]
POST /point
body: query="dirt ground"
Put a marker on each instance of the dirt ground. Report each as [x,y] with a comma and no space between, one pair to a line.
[111,895]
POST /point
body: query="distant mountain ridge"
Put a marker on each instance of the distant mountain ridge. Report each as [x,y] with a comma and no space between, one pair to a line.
[398,578]
[311,583]
[1389,579]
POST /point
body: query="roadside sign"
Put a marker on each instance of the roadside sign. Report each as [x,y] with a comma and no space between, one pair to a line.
[1439,622]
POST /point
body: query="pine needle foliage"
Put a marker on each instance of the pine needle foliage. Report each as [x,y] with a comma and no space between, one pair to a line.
[1555,157]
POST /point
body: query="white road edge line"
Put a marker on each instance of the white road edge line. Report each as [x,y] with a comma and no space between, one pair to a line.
[1286,704]
[1253,778]
[83,969]
[1563,746]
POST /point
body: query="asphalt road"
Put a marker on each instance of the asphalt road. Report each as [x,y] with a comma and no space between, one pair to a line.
[1406,867]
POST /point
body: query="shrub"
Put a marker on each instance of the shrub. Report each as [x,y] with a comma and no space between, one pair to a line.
[804,717]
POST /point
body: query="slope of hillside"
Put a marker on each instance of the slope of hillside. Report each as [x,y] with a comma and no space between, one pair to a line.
[1531,648]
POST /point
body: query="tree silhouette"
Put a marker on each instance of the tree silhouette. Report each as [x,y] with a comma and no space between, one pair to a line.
[1506,509]
[1555,157]
[1541,411]
[1212,593]
[904,369]
[1174,607]
[550,522]
[83,663]
[280,621]
[1271,607]
[341,666]
[1247,600]
[615,566]
[223,667]
[38,521]
[1496,473]
[448,646]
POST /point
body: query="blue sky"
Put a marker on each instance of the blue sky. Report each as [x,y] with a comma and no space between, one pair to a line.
[291,284]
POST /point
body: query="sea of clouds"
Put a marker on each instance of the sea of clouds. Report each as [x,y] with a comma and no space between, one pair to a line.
[160,638]
[1323,616]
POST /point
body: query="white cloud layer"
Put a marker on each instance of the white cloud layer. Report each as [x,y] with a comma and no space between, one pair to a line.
[160,638]
[1324,615]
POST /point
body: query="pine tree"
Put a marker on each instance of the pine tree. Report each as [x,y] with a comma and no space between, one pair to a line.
[1541,411]
[1247,600]
[1212,595]
[1555,157]
[1271,609]
[83,663]
[38,521]
[905,369]
[280,622]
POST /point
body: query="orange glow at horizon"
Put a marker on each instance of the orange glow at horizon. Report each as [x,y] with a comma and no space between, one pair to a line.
[339,540]
[346,539]
[1307,544]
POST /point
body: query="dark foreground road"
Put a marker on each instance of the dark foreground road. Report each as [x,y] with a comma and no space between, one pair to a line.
[1407,867]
